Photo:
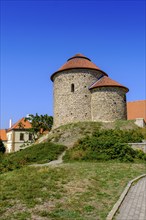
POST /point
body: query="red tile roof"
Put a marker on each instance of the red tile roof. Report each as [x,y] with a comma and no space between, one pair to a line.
[107,82]
[136,109]
[21,124]
[78,61]
[3,135]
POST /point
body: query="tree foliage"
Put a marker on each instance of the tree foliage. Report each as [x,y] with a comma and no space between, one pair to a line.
[40,124]
[2,147]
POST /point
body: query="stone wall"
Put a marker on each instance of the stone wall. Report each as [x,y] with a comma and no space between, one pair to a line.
[140,122]
[138,146]
[108,104]
[72,98]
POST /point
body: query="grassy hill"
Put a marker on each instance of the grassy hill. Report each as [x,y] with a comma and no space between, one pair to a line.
[76,190]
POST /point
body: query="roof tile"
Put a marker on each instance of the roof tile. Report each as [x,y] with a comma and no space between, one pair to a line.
[107,82]
[21,124]
[3,135]
[78,61]
[136,109]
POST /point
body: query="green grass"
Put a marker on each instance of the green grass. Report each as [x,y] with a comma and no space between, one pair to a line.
[71,191]
[40,153]
[79,190]
[124,124]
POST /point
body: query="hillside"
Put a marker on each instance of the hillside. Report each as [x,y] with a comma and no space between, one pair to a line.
[71,190]
[35,154]
[70,133]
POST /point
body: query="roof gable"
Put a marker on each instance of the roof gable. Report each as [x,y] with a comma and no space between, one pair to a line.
[21,124]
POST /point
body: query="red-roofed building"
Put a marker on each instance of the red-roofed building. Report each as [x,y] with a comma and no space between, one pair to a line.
[17,135]
[136,110]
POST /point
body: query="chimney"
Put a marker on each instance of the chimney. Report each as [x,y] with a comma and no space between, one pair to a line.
[10,123]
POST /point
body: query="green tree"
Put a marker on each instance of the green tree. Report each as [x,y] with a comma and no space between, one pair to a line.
[2,147]
[39,123]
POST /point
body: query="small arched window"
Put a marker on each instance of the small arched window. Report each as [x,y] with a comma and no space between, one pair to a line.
[72,87]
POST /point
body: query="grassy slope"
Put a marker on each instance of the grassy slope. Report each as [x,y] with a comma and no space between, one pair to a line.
[40,153]
[79,190]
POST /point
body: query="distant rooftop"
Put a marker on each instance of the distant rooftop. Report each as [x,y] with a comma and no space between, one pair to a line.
[136,109]
[3,135]
[21,124]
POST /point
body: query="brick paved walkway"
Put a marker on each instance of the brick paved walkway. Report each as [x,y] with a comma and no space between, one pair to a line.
[134,204]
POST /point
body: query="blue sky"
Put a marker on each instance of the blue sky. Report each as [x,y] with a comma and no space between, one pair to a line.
[37,37]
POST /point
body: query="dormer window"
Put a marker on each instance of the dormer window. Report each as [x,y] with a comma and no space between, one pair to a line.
[72,87]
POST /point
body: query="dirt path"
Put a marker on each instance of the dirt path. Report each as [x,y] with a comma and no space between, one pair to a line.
[52,163]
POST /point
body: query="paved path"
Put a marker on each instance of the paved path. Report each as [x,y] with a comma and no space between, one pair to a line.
[134,204]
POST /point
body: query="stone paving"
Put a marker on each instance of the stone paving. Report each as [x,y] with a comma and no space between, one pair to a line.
[134,204]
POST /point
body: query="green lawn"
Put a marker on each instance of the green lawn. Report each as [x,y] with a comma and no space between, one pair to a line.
[79,190]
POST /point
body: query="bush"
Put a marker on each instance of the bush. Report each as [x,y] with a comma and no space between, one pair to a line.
[140,154]
[106,145]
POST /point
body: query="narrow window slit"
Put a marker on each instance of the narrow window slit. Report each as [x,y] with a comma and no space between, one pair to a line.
[72,87]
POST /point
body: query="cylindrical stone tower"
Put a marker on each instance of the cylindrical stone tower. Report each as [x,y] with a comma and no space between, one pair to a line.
[108,100]
[72,97]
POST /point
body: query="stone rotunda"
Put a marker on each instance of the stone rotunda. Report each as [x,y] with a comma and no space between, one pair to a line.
[83,92]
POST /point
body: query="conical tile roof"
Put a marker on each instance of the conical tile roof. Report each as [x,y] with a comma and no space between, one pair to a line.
[107,82]
[79,61]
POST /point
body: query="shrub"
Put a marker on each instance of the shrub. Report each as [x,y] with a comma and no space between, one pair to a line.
[106,145]
[140,154]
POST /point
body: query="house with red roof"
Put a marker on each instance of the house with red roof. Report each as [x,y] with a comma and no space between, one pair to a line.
[16,136]
[136,110]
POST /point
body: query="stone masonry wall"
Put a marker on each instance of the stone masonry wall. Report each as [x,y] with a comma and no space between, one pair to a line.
[138,146]
[73,106]
[108,104]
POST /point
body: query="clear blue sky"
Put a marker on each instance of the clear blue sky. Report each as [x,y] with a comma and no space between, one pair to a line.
[37,37]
